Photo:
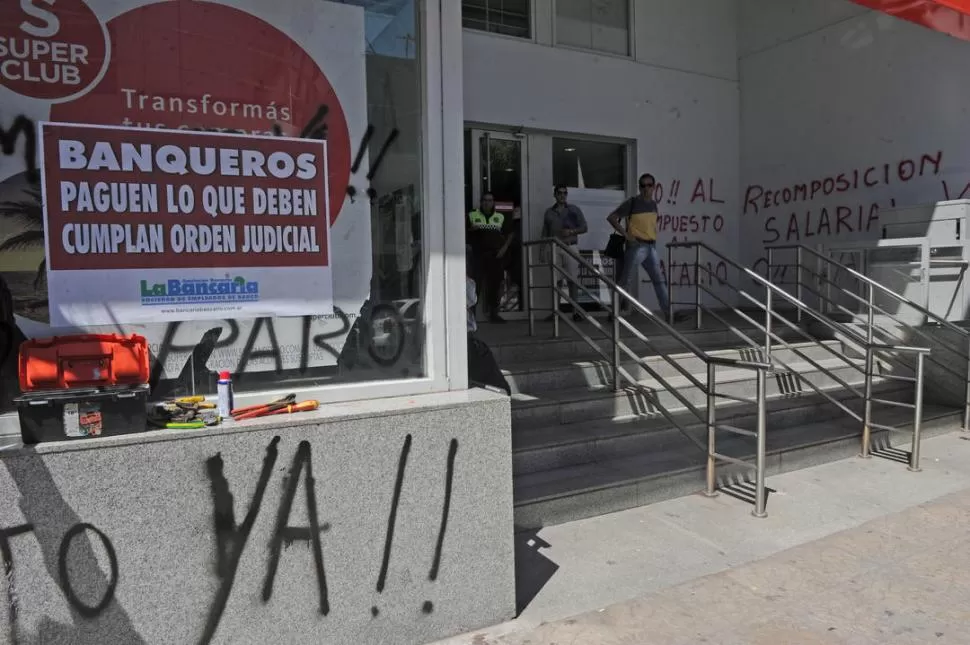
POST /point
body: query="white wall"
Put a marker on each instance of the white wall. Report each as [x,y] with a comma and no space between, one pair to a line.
[763,24]
[677,99]
[848,91]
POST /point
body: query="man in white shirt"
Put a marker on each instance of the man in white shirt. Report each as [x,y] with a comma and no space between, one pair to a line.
[566,222]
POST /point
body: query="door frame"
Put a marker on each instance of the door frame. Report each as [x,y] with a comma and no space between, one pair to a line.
[503,135]
[476,133]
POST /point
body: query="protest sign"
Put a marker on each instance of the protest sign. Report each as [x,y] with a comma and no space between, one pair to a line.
[151,225]
[293,69]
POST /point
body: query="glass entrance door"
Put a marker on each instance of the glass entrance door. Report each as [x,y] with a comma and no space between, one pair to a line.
[495,163]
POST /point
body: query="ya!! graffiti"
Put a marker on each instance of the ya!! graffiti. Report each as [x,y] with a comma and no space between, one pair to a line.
[92,598]
[231,539]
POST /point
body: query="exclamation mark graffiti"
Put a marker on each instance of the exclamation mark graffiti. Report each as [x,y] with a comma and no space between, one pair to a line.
[674,189]
[392,519]
[428,606]
[368,135]
[316,128]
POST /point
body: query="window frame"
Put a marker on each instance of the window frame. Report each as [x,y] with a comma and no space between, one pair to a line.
[629,153]
[631,34]
[443,302]
[532,25]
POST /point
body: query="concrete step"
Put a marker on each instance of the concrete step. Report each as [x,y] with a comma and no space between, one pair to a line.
[536,449]
[578,405]
[674,467]
[515,350]
[570,373]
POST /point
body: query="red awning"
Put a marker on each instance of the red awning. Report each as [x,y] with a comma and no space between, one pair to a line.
[946,16]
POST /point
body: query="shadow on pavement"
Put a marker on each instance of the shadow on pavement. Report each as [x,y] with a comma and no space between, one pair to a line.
[532,569]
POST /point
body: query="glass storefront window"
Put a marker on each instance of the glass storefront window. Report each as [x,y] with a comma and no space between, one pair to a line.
[348,73]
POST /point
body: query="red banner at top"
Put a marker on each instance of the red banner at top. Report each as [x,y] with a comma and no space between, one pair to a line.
[950,17]
[128,198]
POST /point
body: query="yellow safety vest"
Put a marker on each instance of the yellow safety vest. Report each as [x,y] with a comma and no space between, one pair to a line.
[479,221]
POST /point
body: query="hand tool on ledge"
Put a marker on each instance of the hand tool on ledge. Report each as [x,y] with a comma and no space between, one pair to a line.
[184,413]
[285,405]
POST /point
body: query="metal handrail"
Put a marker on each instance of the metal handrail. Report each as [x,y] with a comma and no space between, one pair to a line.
[867,343]
[831,302]
[845,310]
[785,366]
[876,285]
[708,418]
[871,308]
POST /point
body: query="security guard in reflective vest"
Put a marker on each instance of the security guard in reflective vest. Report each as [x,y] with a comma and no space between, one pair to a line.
[487,231]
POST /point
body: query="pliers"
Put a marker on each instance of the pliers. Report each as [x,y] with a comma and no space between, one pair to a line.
[263,409]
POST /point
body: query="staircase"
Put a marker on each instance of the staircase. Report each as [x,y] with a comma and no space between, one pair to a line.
[580,449]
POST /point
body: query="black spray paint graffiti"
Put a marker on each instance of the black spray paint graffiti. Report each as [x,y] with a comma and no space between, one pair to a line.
[428,606]
[231,540]
[262,342]
[375,165]
[213,340]
[289,534]
[443,528]
[13,603]
[22,127]
[392,519]
[63,561]
[88,611]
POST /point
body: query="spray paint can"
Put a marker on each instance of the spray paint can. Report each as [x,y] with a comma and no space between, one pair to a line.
[224,390]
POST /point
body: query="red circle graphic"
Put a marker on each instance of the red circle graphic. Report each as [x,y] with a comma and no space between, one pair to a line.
[194,64]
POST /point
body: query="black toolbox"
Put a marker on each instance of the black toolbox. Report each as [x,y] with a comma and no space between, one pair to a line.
[60,415]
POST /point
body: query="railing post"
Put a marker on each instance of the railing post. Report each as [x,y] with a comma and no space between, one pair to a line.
[697,289]
[555,290]
[767,324]
[917,416]
[616,339]
[670,286]
[711,490]
[769,262]
[828,289]
[966,398]
[527,259]
[761,498]
[798,282]
[867,406]
[871,314]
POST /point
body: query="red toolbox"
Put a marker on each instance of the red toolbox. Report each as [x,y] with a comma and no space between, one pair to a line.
[83,361]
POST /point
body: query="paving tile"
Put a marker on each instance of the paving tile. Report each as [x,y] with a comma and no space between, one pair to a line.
[852,553]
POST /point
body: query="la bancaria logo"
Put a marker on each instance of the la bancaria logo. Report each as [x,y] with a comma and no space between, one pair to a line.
[196,291]
[51,49]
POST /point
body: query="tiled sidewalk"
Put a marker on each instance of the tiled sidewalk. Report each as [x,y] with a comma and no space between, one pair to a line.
[898,580]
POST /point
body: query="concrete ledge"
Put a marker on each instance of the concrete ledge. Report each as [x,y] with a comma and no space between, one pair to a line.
[184,537]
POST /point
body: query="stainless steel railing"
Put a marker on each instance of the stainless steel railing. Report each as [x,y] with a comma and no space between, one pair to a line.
[773,293]
[871,309]
[618,295]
